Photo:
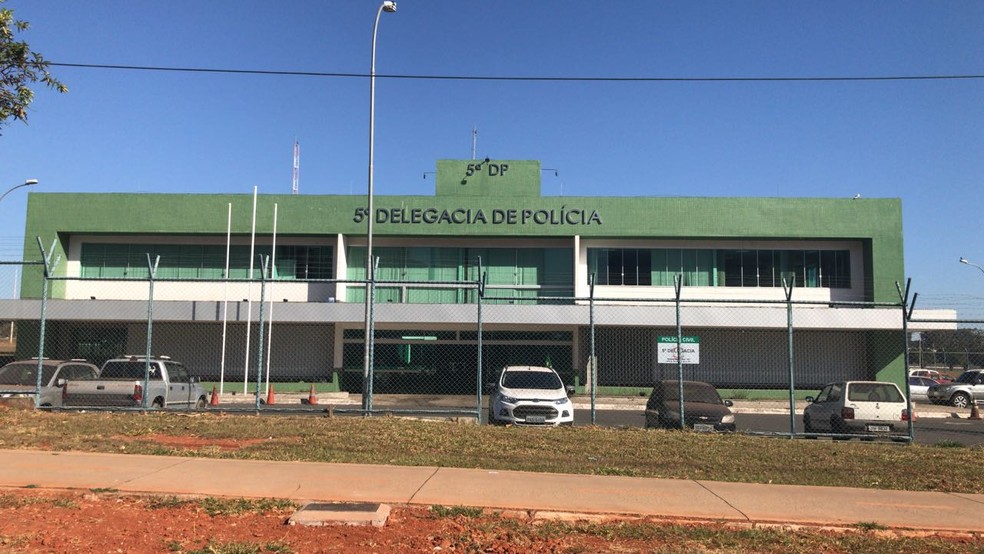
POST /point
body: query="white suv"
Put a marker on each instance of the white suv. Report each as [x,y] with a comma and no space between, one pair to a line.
[530,395]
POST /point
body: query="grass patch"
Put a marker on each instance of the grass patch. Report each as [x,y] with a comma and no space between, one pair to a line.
[214,547]
[471,535]
[236,506]
[869,526]
[585,450]
[455,511]
[10,501]
[166,502]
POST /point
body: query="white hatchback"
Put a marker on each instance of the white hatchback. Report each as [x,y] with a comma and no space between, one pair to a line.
[530,395]
[857,408]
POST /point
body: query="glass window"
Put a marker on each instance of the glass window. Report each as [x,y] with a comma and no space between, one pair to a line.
[176,372]
[614,268]
[730,264]
[540,380]
[749,268]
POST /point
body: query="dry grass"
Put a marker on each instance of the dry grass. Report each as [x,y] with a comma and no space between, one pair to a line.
[585,450]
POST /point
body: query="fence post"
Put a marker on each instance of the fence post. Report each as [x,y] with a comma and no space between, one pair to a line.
[48,269]
[906,316]
[372,335]
[677,287]
[152,270]
[787,288]
[592,378]
[264,261]
[480,290]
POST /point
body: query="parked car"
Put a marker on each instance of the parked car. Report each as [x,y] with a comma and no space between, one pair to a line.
[857,407]
[530,395]
[21,378]
[919,387]
[703,408]
[967,388]
[931,374]
[124,382]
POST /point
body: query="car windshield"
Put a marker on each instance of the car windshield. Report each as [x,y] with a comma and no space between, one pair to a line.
[967,377]
[692,392]
[531,380]
[25,373]
[874,392]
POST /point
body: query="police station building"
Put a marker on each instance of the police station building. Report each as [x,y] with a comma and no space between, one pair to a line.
[539,255]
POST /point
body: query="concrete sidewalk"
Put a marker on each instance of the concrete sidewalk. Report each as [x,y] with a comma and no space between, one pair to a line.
[544,494]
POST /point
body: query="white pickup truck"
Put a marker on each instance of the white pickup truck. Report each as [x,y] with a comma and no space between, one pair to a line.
[136,381]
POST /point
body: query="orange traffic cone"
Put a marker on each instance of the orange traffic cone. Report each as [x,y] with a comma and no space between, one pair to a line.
[312,399]
[975,413]
[215,397]
[269,399]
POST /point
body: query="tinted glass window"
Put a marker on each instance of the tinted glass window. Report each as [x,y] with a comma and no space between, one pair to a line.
[967,377]
[129,370]
[77,372]
[531,380]
[692,392]
[176,372]
[25,373]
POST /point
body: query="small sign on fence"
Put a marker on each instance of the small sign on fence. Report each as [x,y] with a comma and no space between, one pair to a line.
[666,351]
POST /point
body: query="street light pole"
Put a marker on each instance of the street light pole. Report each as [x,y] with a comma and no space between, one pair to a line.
[965,261]
[26,183]
[387,6]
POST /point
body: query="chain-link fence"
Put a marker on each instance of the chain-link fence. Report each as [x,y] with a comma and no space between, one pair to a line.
[438,348]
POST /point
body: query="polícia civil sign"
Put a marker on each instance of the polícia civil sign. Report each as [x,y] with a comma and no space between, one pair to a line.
[666,350]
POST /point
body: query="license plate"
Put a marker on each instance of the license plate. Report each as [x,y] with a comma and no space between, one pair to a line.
[703,427]
[878,428]
[536,419]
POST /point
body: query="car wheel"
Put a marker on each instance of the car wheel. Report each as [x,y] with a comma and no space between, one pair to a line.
[157,403]
[960,400]
[808,426]
[201,404]
[492,419]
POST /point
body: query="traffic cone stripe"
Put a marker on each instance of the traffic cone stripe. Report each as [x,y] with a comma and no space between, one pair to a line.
[215,397]
[312,399]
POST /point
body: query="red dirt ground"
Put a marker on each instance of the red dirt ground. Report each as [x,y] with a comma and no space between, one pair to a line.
[34,520]
[59,521]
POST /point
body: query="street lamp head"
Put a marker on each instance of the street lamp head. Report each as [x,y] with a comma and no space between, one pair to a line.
[964,260]
[31,182]
[389,6]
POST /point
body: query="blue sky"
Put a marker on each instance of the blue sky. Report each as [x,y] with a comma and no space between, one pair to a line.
[139,131]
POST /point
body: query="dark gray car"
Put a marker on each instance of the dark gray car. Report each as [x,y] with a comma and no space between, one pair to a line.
[702,406]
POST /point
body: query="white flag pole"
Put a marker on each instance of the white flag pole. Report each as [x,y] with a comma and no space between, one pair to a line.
[225,299]
[273,277]
[249,295]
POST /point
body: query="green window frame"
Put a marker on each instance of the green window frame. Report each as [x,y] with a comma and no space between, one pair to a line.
[811,268]
[196,261]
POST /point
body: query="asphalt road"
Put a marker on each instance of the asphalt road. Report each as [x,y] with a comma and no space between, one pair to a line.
[925,431]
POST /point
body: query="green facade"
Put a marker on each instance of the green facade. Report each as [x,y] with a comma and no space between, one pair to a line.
[490,205]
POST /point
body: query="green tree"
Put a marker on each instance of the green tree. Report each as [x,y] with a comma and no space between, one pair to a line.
[19,68]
